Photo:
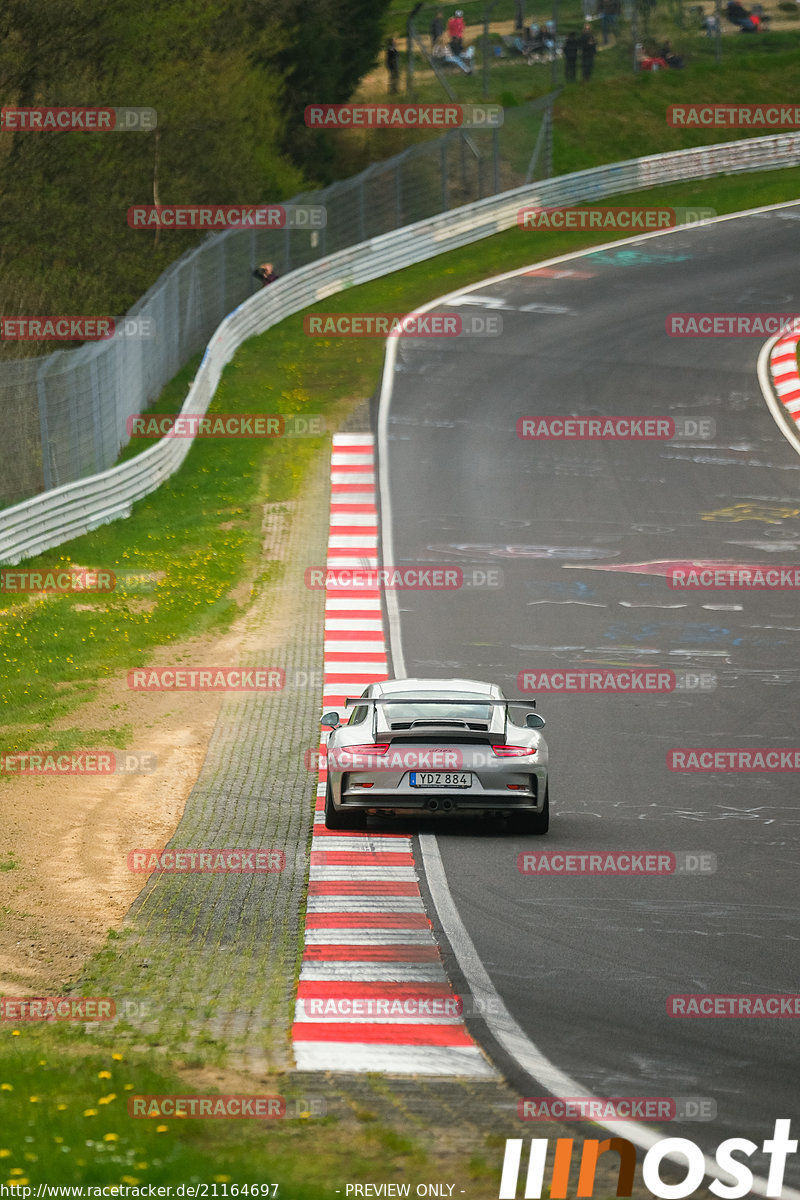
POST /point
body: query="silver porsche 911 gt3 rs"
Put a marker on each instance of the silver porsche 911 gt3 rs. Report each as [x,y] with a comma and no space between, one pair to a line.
[436,747]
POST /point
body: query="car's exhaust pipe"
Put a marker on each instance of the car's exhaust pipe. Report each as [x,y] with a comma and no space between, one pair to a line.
[447,805]
[432,804]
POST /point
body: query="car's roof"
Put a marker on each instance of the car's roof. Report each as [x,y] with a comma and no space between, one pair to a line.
[443,687]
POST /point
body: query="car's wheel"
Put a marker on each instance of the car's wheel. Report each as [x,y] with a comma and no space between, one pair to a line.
[534,822]
[341,820]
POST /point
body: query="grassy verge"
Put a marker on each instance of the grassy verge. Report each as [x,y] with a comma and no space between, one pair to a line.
[199,534]
[64,1114]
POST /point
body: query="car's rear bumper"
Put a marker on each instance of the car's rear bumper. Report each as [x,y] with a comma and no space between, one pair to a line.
[435,807]
[496,801]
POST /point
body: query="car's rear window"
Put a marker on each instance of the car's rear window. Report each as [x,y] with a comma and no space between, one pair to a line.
[405,713]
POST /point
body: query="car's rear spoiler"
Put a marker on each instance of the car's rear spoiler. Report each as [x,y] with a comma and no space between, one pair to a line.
[357,701]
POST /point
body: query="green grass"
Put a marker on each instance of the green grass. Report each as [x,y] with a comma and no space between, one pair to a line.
[65,1120]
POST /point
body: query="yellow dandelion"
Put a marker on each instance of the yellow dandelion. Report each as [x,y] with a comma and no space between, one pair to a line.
[90,1112]
[107,1099]
[61,1107]
[5,1153]
[129,1179]
[18,1182]
[117,1057]
[222,1178]
[33,1099]
[141,1166]
[162,1128]
[58,1140]
[103,1074]
[6,1087]
[15,1032]
[110,1137]
[17,1171]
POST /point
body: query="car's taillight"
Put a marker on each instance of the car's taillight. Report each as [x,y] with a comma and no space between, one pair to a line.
[358,758]
[513,751]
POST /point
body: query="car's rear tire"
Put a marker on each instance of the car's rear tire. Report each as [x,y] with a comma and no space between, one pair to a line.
[342,820]
[537,822]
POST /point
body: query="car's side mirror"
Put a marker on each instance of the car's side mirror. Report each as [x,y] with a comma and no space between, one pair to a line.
[534,721]
[330,718]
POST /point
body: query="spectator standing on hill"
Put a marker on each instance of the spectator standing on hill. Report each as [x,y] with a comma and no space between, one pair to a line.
[588,48]
[609,17]
[455,28]
[571,56]
[393,65]
[437,29]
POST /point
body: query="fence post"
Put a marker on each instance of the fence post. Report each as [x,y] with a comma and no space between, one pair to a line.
[635,34]
[319,237]
[410,34]
[487,12]
[548,142]
[398,194]
[41,392]
[97,418]
[361,224]
[221,268]
[443,154]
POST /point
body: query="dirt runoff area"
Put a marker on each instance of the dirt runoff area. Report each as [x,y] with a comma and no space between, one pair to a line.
[64,878]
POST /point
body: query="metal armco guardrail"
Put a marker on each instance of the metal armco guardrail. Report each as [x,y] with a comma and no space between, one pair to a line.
[56,516]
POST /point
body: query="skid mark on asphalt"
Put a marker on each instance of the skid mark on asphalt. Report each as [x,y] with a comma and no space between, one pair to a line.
[373,994]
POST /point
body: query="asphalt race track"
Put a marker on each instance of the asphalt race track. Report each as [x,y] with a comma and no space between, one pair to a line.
[585,964]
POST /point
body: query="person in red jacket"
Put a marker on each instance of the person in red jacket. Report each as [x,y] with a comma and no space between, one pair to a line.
[455,29]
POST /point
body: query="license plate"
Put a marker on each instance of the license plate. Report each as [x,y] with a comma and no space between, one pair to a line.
[441,779]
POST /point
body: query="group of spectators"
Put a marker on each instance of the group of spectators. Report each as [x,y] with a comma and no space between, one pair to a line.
[541,42]
[538,42]
[583,45]
[447,43]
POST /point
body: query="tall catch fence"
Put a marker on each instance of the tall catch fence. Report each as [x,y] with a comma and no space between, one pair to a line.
[63,416]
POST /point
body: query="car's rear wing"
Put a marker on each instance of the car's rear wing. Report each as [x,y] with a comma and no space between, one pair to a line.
[358,701]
